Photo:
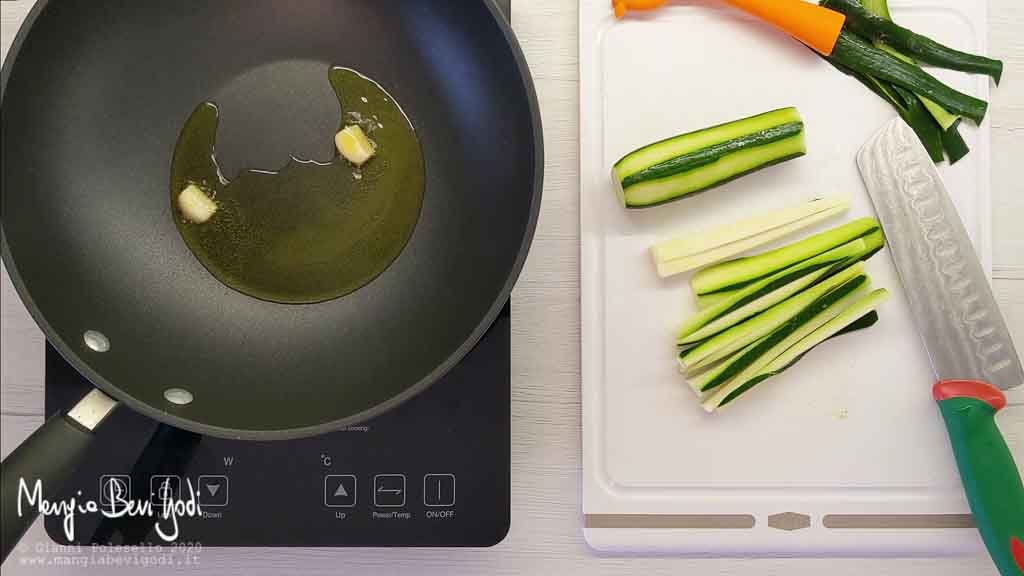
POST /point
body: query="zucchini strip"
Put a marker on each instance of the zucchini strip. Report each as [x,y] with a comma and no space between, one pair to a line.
[767,292]
[687,263]
[952,142]
[862,22]
[866,321]
[747,365]
[853,314]
[954,145]
[699,382]
[741,271]
[705,301]
[740,335]
[857,54]
[672,168]
[909,106]
[702,241]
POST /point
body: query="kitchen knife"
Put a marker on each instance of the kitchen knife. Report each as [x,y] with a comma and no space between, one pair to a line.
[964,333]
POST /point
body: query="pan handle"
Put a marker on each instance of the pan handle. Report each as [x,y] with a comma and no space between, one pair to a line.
[49,456]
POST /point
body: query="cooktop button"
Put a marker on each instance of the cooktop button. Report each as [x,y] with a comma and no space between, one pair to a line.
[115,488]
[213,491]
[439,490]
[389,490]
[163,488]
[340,490]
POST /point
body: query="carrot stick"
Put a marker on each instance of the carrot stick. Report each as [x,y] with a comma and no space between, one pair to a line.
[811,24]
[623,6]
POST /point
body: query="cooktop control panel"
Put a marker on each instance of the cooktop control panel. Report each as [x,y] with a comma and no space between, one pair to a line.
[433,472]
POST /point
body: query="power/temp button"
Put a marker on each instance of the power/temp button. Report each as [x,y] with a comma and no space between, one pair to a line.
[439,490]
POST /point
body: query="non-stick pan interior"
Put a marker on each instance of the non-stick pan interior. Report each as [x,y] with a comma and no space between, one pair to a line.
[94,97]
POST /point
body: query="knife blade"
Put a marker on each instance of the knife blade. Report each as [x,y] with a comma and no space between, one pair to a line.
[961,326]
[949,294]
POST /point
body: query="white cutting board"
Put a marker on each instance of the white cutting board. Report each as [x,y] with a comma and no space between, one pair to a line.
[848,437]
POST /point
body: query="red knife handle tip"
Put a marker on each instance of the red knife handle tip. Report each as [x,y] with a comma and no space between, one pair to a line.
[977,389]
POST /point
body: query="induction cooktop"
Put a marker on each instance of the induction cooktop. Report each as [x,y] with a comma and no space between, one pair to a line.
[435,471]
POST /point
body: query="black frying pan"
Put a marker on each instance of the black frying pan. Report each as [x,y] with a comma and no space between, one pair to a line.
[93,97]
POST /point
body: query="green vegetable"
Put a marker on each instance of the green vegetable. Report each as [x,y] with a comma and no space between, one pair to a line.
[880,29]
[954,145]
[749,362]
[952,142]
[862,323]
[909,106]
[851,315]
[708,300]
[709,246]
[855,53]
[740,335]
[766,292]
[879,8]
[672,168]
[742,271]
[921,120]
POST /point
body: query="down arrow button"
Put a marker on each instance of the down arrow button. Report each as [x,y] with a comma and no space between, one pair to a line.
[213,491]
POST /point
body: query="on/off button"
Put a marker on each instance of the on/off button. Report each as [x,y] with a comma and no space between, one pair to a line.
[439,490]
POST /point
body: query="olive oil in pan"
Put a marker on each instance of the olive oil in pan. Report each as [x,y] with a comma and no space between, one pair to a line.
[309,232]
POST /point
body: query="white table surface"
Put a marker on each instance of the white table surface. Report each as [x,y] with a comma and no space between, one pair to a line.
[546,537]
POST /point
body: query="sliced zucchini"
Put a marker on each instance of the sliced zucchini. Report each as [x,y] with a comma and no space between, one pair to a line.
[740,335]
[741,313]
[739,272]
[675,167]
[853,314]
[954,145]
[748,364]
[766,292]
[880,29]
[864,322]
[857,54]
[703,248]
[705,301]
[700,382]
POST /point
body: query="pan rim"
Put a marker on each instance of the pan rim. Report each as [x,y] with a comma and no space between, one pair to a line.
[76,360]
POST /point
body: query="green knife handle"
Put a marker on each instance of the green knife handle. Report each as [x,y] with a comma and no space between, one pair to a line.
[990,476]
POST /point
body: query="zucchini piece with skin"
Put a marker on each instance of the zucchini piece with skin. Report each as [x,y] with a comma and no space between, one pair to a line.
[944,117]
[873,27]
[748,364]
[688,163]
[952,142]
[705,301]
[923,123]
[766,292]
[740,335]
[853,314]
[911,110]
[856,53]
[738,314]
[954,145]
[742,271]
[862,323]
